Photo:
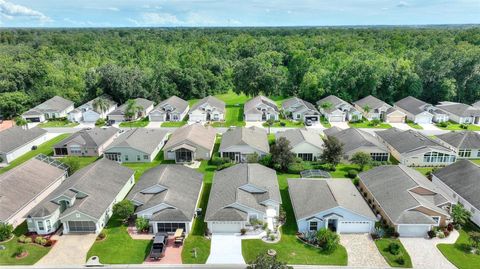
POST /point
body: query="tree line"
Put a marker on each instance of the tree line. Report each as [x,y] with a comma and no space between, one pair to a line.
[433,64]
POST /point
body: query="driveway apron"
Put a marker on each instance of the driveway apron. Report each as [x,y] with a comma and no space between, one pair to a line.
[69,249]
[225,249]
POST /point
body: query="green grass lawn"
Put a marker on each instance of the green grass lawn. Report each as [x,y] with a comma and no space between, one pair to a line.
[325,122]
[286,123]
[82,161]
[234,106]
[174,123]
[135,124]
[414,125]
[452,126]
[35,252]
[424,170]
[367,124]
[290,249]
[57,123]
[119,247]
[140,168]
[382,245]
[458,253]
[477,161]
[45,148]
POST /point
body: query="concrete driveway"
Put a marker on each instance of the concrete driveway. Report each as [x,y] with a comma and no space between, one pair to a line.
[225,249]
[70,249]
[341,125]
[425,254]
[401,126]
[362,251]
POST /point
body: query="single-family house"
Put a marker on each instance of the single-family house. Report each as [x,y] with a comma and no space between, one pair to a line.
[460,113]
[137,145]
[239,143]
[16,141]
[240,194]
[335,109]
[260,108]
[333,204]
[118,115]
[300,110]
[413,148]
[461,182]
[405,199]
[465,143]
[416,110]
[307,145]
[53,108]
[209,108]
[26,185]
[84,202]
[355,140]
[86,142]
[373,108]
[190,142]
[89,112]
[171,109]
[167,195]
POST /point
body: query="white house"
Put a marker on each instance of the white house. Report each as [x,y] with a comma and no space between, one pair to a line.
[240,142]
[300,110]
[465,143]
[374,108]
[209,108]
[460,113]
[118,115]
[191,142]
[333,204]
[55,107]
[416,110]
[89,113]
[335,109]
[16,141]
[260,108]
[306,144]
[171,109]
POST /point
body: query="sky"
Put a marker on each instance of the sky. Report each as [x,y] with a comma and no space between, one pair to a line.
[234,13]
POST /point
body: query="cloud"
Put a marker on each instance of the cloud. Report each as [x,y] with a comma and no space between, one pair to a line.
[403,4]
[113,8]
[10,10]
[161,18]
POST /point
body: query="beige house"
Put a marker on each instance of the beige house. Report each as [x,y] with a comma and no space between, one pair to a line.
[373,108]
[190,142]
[86,142]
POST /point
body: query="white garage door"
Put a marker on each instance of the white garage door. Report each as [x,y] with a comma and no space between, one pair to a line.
[423,119]
[156,118]
[355,227]
[396,119]
[413,230]
[196,118]
[336,118]
[220,227]
[253,117]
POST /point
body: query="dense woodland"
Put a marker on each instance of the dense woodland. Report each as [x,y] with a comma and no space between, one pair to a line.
[433,64]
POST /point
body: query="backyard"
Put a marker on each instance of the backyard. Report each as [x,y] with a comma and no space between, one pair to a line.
[57,123]
[459,253]
[234,106]
[452,126]
[140,168]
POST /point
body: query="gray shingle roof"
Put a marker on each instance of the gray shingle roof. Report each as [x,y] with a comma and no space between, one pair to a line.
[178,104]
[90,103]
[312,196]
[461,139]
[15,137]
[251,105]
[297,136]
[459,109]
[182,185]
[463,177]
[476,104]
[226,190]
[143,139]
[22,184]
[332,99]
[371,101]
[253,137]
[295,100]
[391,186]
[412,105]
[91,138]
[54,104]
[353,138]
[101,181]
[195,135]
[212,101]
[139,101]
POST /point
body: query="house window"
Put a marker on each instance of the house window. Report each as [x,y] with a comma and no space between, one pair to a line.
[145,157]
[478,152]
[75,150]
[438,157]
[305,156]
[298,116]
[313,226]
[40,226]
[465,153]
[138,157]
[379,156]
[437,220]
[49,225]
[126,158]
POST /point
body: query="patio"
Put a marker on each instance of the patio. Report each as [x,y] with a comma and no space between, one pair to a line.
[173,254]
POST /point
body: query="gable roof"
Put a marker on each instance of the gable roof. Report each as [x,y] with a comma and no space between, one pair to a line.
[182,188]
[15,137]
[54,104]
[90,103]
[463,177]
[297,136]
[459,109]
[295,100]
[95,187]
[194,134]
[252,104]
[353,138]
[392,187]
[461,139]
[218,104]
[226,190]
[177,103]
[22,184]
[412,105]
[312,196]
[476,104]
[144,103]
[91,138]
[252,136]
[371,101]
[143,139]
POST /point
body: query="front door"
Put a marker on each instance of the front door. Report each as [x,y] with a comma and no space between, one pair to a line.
[332,225]
[237,157]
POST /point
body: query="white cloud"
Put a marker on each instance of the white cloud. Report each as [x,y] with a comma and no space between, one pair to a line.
[403,4]
[113,8]
[10,11]
[161,18]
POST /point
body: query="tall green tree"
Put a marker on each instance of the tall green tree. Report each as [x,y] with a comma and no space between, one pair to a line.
[282,155]
[332,152]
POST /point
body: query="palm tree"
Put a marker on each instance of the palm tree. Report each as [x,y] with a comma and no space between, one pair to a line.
[132,109]
[326,105]
[101,105]
[19,121]
[366,108]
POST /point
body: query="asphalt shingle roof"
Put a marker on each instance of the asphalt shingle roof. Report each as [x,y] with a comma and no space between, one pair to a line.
[54,104]
[144,103]
[91,138]
[195,135]
[371,101]
[297,136]
[212,101]
[353,138]
[412,105]
[254,137]
[295,100]
[461,139]
[177,103]
[252,104]
[459,109]
[15,137]
[142,139]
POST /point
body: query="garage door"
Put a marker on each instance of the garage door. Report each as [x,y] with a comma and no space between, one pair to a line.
[196,118]
[33,119]
[396,119]
[336,118]
[355,227]
[413,230]
[226,227]
[156,118]
[82,226]
[423,119]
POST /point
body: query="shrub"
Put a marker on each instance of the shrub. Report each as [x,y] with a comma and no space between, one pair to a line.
[394,248]
[310,237]
[396,235]
[356,182]
[6,231]
[224,166]
[142,224]
[464,126]
[327,240]
[22,238]
[28,240]
[40,240]
[443,124]
[124,209]
[446,233]
[100,122]
[283,124]
[272,237]
[266,160]
[19,251]
[375,122]
[295,168]
[450,227]
[440,235]
[431,234]
[352,173]
[243,231]
[389,231]
[400,260]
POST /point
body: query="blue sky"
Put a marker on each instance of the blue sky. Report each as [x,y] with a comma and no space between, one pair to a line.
[163,13]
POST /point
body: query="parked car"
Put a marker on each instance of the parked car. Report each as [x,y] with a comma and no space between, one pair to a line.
[159,246]
[308,122]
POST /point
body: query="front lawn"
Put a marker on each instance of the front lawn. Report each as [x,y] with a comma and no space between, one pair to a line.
[392,260]
[174,123]
[285,123]
[140,168]
[477,161]
[324,121]
[57,123]
[368,124]
[414,125]
[458,253]
[35,252]
[135,124]
[118,247]
[45,148]
[424,170]
[452,126]
[290,249]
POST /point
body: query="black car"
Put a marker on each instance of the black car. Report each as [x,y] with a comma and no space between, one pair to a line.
[159,246]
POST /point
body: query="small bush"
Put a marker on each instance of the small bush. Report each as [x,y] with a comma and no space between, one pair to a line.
[327,240]
[400,260]
[243,231]
[396,235]
[22,238]
[266,160]
[443,124]
[38,240]
[446,233]
[100,122]
[28,240]
[431,234]
[272,237]
[394,248]
[19,251]
[101,235]
[441,235]
[450,227]
[389,231]
[356,182]
[142,224]
[352,173]
[283,124]
[296,168]
[6,231]
[464,126]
